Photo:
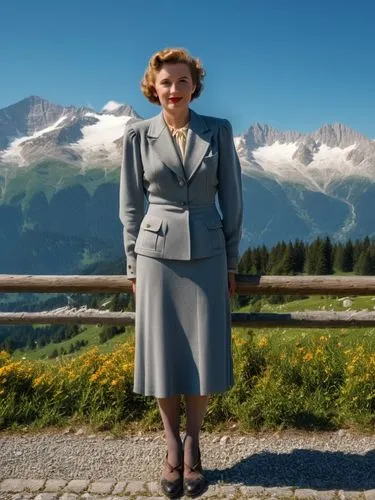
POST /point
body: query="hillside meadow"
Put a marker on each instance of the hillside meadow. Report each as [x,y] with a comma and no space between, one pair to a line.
[284,378]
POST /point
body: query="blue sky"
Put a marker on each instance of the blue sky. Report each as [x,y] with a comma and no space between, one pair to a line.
[292,64]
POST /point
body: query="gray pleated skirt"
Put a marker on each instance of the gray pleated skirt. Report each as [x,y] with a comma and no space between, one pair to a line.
[183,327]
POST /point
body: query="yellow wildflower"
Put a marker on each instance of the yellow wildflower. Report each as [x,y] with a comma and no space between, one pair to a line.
[308,356]
[94,377]
[37,381]
[263,342]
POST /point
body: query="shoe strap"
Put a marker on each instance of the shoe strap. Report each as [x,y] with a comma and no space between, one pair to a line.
[196,468]
[176,467]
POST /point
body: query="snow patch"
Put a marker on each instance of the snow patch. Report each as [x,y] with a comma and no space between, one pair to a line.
[98,139]
[277,161]
[328,164]
[111,106]
[13,154]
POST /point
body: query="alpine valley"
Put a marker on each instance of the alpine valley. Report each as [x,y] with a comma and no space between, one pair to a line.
[59,181]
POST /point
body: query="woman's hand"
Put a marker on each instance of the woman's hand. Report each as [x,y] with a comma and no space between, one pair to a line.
[231,283]
[133,280]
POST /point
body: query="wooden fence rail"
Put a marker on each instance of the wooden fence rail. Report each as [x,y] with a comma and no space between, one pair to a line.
[246,285]
[311,319]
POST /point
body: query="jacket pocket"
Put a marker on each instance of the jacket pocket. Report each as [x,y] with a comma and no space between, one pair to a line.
[152,233]
[210,157]
[216,234]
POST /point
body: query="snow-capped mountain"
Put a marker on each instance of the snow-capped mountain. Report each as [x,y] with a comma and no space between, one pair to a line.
[295,185]
[307,185]
[315,160]
[35,129]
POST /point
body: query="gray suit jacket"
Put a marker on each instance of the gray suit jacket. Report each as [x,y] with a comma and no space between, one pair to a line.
[181,221]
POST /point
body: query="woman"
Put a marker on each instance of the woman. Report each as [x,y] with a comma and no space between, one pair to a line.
[181,256]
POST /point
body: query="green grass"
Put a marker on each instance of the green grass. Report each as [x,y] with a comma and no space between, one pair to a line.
[278,336]
[317,303]
[281,337]
[89,333]
[284,378]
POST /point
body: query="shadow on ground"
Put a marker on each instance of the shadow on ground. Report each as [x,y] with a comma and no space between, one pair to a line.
[319,470]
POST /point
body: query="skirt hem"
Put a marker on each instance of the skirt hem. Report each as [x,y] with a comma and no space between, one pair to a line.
[188,393]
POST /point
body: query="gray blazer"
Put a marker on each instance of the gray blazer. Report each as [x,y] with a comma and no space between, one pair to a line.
[181,220]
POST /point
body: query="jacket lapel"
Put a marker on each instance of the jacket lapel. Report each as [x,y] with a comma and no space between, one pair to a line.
[197,143]
[161,141]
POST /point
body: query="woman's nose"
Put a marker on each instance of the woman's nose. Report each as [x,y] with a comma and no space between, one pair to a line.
[174,87]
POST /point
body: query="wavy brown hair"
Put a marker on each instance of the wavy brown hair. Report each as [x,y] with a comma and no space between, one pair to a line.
[174,56]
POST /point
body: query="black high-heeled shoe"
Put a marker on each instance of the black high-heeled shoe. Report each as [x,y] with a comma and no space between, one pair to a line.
[194,487]
[173,489]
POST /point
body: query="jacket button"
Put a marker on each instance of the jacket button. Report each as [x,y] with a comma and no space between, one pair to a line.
[181,183]
[147,225]
[182,203]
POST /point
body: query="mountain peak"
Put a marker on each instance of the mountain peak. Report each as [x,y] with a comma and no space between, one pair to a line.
[118,109]
[111,106]
[35,128]
[28,116]
[338,135]
[264,135]
[34,98]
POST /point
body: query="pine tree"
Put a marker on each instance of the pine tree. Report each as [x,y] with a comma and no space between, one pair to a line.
[265,257]
[338,257]
[364,265]
[320,263]
[348,257]
[288,264]
[366,243]
[257,260]
[357,249]
[272,259]
[312,257]
[327,251]
[246,262]
[299,256]
[275,262]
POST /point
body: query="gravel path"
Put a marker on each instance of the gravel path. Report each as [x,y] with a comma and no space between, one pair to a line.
[301,464]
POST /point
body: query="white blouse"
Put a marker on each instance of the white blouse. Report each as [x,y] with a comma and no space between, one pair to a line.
[180,135]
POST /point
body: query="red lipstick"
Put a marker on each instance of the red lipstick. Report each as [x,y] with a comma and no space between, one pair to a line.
[175,99]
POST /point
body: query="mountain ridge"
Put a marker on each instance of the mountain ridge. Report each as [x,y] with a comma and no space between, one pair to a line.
[295,185]
[35,128]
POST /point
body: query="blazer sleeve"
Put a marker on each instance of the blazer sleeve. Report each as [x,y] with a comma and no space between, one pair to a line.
[230,193]
[132,196]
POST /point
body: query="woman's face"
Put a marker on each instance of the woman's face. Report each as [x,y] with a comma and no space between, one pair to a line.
[174,86]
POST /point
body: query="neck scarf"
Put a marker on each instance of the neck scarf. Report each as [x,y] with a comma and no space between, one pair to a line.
[180,135]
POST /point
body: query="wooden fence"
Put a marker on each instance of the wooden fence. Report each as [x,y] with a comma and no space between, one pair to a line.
[337,286]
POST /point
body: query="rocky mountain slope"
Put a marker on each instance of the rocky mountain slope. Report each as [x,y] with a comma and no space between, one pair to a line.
[58,164]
